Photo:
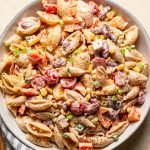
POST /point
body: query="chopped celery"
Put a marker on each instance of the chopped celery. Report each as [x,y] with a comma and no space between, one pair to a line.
[16,52]
[70,116]
[80,127]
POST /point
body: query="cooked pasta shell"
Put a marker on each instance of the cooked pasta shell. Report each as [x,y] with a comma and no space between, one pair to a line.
[100,141]
[127,105]
[82,60]
[101,75]
[130,64]
[39,129]
[18,101]
[136,78]
[5,65]
[29,72]
[58,137]
[85,121]
[28,26]
[54,36]
[117,54]
[71,71]
[70,94]
[13,80]
[134,55]
[32,40]
[72,137]
[15,38]
[38,105]
[49,19]
[87,81]
[66,8]
[131,36]
[118,22]
[43,115]
[84,11]
[6,90]
[118,129]
[72,42]
[58,92]
[109,90]
[41,141]
[22,121]
[132,93]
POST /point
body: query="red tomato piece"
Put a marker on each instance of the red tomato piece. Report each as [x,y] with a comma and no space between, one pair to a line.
[35,57]
[51,76]
[120,78]
[94,7]
[68,82]
[77,108]
[85,146]
[50,8]
[38,82]
[29,92]
[22,109]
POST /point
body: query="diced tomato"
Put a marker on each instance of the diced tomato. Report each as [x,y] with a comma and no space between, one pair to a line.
[50,8]
[22,109]
[35,57]
[38,82]
[68,82]
[29,92]
[51,76]
[94,7]
[134,114]
[85,146]
[120,78]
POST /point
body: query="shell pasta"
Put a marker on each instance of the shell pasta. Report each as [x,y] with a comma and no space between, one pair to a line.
[73,76]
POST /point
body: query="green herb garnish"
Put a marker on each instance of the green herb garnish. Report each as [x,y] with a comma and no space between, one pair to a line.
[16,52]
[97,84]
[65,135]
[80,127]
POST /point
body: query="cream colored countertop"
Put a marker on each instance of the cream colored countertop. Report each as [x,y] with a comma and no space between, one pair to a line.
[140,8]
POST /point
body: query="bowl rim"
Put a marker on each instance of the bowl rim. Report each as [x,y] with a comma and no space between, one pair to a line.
[33,2]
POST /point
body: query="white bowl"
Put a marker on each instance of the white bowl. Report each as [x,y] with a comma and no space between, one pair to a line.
[143,46]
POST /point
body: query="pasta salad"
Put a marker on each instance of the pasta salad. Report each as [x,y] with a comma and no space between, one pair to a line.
[73,77]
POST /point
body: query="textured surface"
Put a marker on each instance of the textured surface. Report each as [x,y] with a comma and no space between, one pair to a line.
[140,8]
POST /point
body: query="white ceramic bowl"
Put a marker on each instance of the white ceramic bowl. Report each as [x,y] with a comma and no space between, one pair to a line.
[143,46]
